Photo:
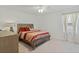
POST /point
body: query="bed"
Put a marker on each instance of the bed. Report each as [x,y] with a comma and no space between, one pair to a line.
[32,37]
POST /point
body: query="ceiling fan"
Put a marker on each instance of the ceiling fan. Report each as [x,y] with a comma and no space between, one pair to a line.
[41,8]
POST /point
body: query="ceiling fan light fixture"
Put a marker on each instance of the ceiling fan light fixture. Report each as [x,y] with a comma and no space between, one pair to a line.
[40,10]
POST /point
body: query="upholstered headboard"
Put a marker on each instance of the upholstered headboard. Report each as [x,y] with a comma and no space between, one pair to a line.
[25,25]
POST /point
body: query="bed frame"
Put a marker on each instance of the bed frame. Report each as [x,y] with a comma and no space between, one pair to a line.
[35,43]
[24,25]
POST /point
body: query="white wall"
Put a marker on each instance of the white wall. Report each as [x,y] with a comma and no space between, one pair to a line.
[14,16]
[53,24]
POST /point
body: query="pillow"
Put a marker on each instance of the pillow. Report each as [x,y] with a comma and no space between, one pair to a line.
[23,29]
[35,30]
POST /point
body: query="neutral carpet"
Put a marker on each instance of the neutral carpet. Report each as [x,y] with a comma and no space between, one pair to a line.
[52,46]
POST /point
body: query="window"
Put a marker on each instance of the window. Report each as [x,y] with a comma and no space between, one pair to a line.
[71,25]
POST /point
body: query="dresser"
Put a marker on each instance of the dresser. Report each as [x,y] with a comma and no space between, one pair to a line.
[8,42]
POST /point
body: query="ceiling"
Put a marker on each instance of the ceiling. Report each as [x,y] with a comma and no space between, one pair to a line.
[33,9]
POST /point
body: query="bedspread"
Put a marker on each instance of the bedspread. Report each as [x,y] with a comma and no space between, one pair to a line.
[32,35]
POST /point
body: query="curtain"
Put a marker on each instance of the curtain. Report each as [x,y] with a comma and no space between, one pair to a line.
[74,19]
[65,27]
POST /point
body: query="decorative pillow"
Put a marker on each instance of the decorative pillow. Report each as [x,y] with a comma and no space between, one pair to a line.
[23,29]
